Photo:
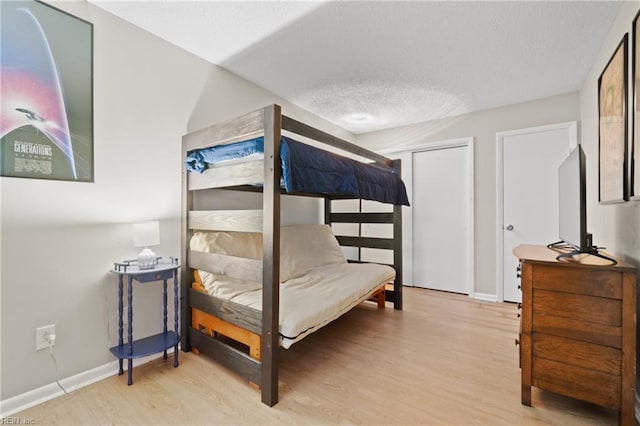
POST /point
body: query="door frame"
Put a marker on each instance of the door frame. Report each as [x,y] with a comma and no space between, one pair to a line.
[406,153]
[572,127]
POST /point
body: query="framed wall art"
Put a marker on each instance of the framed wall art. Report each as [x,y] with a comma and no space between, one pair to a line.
[634,164]
[612,127]
[46,80]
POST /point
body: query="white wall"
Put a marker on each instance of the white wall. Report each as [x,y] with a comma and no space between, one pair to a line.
[59,239]
[614,226]
[482,125]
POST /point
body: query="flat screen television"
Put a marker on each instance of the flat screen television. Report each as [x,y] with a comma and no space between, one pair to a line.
[572,192]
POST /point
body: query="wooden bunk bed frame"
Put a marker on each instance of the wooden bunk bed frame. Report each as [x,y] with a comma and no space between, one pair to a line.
[260,365]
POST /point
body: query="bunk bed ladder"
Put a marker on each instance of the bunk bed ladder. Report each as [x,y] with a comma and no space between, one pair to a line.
[265,323]
[395,244]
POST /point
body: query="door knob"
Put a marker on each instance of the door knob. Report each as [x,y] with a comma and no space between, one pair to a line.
[509,227]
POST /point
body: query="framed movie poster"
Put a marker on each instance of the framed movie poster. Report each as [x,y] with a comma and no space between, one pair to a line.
[612,127]
[46,81]
[634,184]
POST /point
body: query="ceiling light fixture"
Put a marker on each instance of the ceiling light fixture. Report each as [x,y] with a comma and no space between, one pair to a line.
[359,118]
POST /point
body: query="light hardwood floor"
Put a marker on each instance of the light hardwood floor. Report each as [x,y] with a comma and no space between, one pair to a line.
[444,360]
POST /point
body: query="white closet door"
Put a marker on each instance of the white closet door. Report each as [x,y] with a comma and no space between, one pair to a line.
[441,217]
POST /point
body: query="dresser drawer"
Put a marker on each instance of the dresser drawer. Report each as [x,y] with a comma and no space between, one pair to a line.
[588,385]
[588,309]
[600,283]
[586,355]
[578,330]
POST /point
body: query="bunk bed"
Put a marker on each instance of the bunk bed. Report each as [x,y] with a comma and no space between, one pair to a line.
[274,164]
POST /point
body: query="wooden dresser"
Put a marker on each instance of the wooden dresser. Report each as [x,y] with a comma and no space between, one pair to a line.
[578,328]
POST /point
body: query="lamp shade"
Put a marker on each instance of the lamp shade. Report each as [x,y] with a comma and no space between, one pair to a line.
[146,234]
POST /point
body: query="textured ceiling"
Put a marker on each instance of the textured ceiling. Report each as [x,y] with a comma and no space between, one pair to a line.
[368,65]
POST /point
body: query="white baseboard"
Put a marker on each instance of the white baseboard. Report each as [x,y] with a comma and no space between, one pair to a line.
[42,394]
[38,396]
[487,297]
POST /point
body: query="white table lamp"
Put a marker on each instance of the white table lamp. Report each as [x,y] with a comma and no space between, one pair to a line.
[146,234]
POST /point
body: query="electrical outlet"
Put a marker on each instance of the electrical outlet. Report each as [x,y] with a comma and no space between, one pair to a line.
[45,336]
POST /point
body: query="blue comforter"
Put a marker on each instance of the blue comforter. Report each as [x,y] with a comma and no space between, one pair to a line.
[311,170]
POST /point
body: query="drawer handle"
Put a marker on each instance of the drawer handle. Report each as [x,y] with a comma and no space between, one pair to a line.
[518,315]
[519,287]
[517,342]
[519,305]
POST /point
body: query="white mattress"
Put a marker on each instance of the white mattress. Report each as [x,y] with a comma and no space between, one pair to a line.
[308,302]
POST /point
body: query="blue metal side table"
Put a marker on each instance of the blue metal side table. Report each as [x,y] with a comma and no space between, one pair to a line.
[152,344]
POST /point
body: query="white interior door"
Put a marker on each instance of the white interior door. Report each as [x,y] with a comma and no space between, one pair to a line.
[441,213]
[530,160]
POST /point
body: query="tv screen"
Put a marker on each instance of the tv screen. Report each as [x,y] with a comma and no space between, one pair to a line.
[572,202]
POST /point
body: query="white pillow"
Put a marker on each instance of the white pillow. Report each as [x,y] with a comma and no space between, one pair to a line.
[230,243]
